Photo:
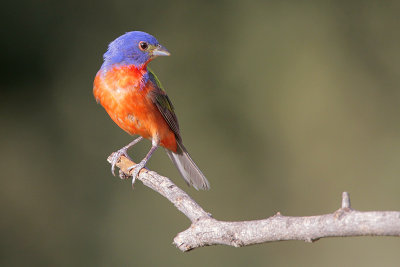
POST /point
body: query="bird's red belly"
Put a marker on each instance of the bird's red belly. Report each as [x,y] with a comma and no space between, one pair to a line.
[133,111]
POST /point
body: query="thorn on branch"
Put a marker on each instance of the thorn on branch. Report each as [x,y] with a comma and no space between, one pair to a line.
[311,240]
[308,240]
[346,200]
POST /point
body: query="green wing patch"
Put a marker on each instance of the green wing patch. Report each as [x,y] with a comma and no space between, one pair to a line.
[164,105]
[154,79]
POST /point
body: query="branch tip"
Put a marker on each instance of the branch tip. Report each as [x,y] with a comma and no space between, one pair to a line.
[346,200]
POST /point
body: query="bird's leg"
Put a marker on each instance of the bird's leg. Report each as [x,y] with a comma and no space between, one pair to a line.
[122,152]
[142,164]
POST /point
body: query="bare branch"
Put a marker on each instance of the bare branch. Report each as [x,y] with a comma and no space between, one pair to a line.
[207,231]
[167,188]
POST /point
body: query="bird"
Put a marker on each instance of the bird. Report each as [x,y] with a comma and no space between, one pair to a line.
[134,98]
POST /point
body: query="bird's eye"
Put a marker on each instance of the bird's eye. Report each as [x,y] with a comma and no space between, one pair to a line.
[143,46]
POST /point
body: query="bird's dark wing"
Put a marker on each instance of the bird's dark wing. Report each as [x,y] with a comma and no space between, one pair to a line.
[164,105]
[181,158]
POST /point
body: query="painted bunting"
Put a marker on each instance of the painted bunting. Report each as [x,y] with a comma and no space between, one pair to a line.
[135,100]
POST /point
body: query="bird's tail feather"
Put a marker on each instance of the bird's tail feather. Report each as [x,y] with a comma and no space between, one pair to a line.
[187,168]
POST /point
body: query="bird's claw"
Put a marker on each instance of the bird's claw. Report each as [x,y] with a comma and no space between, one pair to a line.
[123,175]
[136,169]
[115,158]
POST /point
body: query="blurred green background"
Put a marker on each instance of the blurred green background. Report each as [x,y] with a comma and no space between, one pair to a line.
[282,104]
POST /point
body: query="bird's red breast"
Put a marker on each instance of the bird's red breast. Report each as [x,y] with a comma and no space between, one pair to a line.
[125,95]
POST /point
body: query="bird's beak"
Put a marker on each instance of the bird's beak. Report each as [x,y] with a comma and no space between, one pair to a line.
[160,50]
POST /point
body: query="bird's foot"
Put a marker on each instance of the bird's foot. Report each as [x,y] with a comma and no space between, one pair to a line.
[115,158]
[136,169]
[123,175]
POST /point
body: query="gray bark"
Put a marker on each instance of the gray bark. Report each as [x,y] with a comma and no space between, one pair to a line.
[207,231]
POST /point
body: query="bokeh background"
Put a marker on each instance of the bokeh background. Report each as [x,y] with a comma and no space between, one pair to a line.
[283,105]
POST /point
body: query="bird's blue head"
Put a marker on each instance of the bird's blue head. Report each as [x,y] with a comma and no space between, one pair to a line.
[133,48]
